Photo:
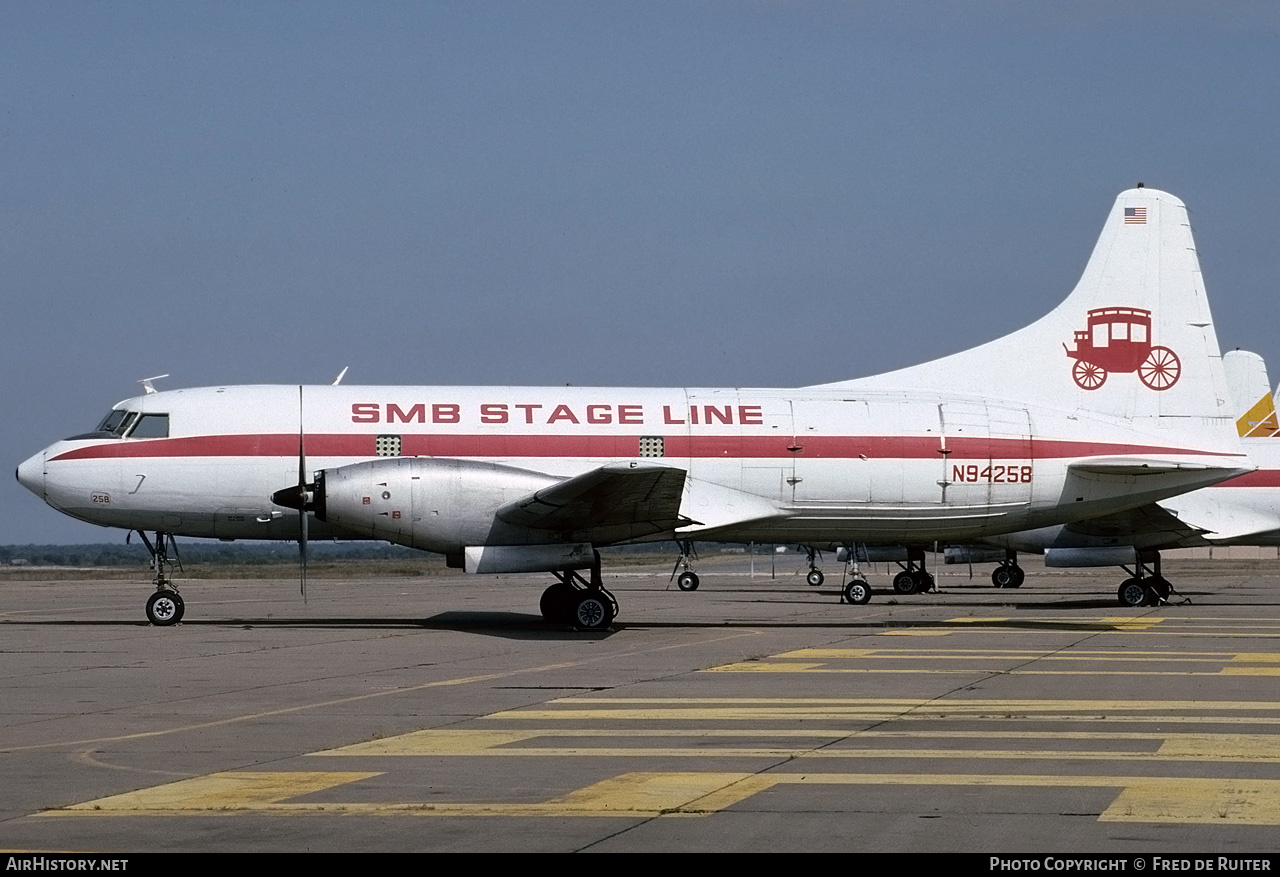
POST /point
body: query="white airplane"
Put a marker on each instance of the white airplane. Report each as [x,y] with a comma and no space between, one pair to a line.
[1240,511]
[1114,400]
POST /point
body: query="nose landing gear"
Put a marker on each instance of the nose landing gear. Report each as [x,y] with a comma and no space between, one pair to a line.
[165,606]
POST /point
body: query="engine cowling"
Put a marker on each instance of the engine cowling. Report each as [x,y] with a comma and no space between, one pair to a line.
[432,504]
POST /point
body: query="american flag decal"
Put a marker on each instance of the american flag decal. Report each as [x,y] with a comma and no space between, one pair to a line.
[1135,216]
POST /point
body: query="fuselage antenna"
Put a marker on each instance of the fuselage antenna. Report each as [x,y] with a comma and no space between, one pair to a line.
[147,385]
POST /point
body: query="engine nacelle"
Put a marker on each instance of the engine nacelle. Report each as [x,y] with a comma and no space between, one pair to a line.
[435,505]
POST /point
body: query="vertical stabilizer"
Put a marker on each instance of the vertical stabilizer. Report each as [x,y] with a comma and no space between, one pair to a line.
[1250,392]
[1135,339]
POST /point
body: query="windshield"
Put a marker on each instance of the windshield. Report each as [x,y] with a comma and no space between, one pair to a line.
[116,422]
[114,425]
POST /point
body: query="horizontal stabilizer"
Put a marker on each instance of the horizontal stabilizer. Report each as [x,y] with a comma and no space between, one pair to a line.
[636,498]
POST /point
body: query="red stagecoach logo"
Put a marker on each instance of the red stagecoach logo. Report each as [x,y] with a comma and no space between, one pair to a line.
[1119,340]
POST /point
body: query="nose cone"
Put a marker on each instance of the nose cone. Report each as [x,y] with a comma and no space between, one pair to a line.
[31,474]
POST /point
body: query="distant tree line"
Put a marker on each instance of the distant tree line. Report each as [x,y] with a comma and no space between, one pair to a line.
[264,553]
[245,553]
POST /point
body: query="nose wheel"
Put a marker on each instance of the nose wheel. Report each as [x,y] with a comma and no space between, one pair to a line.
[857,592]
[165,608]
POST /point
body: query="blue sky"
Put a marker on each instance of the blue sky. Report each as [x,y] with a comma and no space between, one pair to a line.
[690,194]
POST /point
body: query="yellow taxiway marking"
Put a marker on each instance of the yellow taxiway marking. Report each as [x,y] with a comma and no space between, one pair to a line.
[1115,622]
[960,661]
[934,654]
[1174,747]
[233,790]
[872,709]
[631,794]
[673,793]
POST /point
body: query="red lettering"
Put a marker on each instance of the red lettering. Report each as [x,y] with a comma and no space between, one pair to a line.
[693,414]
[528,411]
[666,415]
[417,413]
[493,413]
[599,414]
[562,412]
[445,412]
[725,416]
[750,415]
[365,412]
[630,414]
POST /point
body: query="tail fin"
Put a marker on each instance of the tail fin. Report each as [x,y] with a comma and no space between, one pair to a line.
[1250,392]
[1135,339]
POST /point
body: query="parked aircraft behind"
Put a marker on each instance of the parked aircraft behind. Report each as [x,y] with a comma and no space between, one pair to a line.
[1006,437]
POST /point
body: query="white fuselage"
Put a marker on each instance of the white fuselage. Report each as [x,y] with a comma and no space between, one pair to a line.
[803,466]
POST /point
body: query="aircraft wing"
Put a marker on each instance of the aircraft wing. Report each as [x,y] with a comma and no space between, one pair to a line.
[615,502]
[1128,465]
[1146,525]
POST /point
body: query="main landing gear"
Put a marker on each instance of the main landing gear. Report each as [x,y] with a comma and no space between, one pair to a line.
[1008,574]
[583,603]
[913,579]
[688,579]
[1145,585]
[164,606]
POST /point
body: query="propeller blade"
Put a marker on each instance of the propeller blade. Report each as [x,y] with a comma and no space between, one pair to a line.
[302,550]
[302,499]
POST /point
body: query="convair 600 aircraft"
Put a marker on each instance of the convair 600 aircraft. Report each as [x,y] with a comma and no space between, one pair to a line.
[1112,401]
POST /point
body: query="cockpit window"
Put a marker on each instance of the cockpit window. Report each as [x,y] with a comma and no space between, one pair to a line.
[151,426]
[113,419]
[114,425]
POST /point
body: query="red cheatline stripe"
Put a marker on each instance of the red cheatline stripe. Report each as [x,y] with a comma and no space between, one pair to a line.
[614,446]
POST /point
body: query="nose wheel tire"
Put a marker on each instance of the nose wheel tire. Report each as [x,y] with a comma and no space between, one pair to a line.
[815,578]
[857,592]
[687,581]
[165,608]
